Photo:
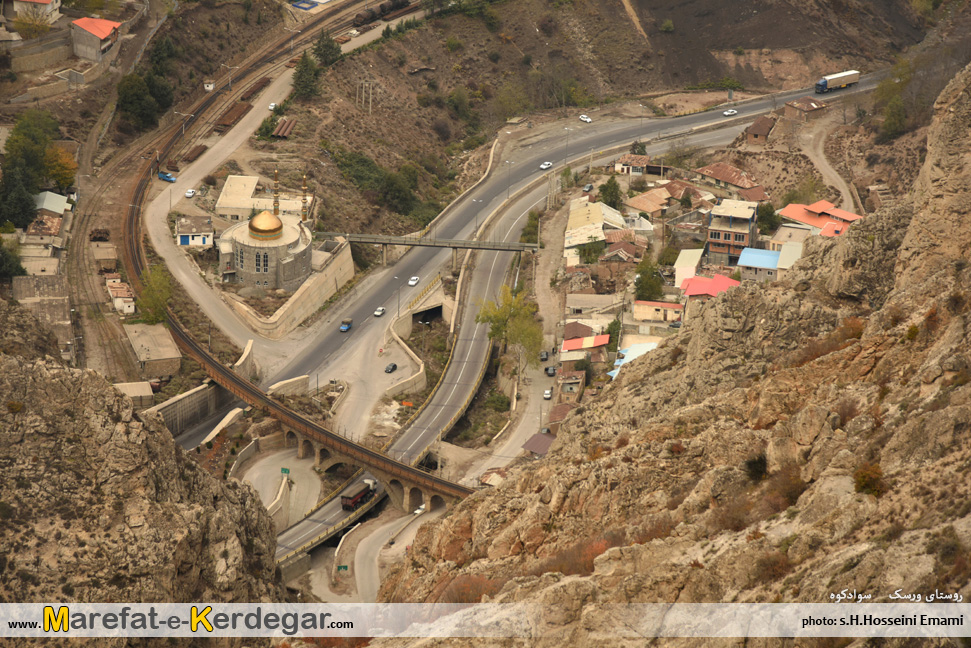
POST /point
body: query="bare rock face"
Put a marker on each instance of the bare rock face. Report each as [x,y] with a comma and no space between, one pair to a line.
[777,448]
[99,504]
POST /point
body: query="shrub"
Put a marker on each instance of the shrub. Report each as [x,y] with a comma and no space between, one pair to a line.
[14,407]
[771,567]
[210,180]
[497,401]
[667,26]
[622,441]
[441,128]
[757,468]
[733,515]
[847,409]
[912,332]
[932,319]
[453,44]
[783,488]
[868,478]
[470,588]
[494,56]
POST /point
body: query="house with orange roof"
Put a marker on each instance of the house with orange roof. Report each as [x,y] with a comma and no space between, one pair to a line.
[822,216]
[93,37]
[734,180]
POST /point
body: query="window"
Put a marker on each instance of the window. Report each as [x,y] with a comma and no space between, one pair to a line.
[239,260]
[714,236]
[739,238]
[769,273]
[266,262]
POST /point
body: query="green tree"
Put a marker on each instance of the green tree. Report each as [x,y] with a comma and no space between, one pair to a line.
[10,264]
[638,147]
[613,330]
[894,119]
[326,49]
[767,218]
[610,194]
[566,178]
[497,314]
[156,293]
[686,200]
[136,103]
[161,91]
[305,83]
[16,203]
[27,145]
[667,26]
[525,334]
[396,194]
[650,283]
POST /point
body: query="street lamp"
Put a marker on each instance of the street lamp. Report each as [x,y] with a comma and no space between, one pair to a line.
[480,201]
[292,33]
[230,68]
[399,297]
[508,172]
[643,108]
[567,156]
[184,120]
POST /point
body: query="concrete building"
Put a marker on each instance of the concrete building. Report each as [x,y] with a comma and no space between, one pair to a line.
[105,256]
[267,251]
[734,180]
[158,356]
[731,228]
[651,311]
[804,109]
[759,265]
[239,200]
[41,266]
[45,230]
[788,255]
[194,231]
[686,265]
[92,38]
[140,393]
[47,10]
[47,298]
[122,297]
[822,216]
[51,204]
[790,233]
[579,304]
[632,164]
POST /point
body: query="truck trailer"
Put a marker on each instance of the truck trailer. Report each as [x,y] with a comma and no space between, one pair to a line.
[357,495]
[837,81]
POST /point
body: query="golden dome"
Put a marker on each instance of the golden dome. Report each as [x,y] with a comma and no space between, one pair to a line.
[265,226]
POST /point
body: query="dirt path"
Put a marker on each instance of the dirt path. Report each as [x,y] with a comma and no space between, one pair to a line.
[629,8]
[812,141]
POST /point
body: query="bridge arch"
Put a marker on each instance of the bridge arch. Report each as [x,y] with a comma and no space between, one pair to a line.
[306,449]
[290,439]
[415,498]
[323,456]
[396,491]
[437,502]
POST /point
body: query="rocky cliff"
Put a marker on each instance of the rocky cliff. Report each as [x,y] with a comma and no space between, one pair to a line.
[809,435]
[99,504]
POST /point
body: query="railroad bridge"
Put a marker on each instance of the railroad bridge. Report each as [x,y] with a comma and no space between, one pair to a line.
[407,491]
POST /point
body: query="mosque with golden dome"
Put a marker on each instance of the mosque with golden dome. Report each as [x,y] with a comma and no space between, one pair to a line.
[270,251]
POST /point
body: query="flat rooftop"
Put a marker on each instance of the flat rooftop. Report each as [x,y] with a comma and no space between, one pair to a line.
[152,342]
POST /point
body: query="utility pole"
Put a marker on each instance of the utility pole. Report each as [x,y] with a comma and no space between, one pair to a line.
[230,68]
[183,121]
[508,173]
[365,95]
[293,32]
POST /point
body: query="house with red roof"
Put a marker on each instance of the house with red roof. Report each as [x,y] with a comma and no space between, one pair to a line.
[631,164]
[822,216]
[93,37]
[701,289]
[45,10]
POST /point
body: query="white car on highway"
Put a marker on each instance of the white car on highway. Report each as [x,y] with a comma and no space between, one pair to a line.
[414,281]
[379,311]
[545,165]
[729,113]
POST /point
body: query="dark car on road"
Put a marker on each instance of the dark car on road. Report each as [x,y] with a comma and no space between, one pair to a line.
[391,368]
[550,370]
[544,356]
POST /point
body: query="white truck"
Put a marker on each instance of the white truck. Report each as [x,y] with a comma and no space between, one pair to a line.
[837,81]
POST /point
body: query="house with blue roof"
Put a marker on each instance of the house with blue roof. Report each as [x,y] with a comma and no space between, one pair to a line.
[759,265]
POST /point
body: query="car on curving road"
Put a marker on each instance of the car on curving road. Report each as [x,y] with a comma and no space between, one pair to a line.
[545,165]
[379,311]
[414,281]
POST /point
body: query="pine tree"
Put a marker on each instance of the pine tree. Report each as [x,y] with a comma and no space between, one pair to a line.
[610,193]
[305,78]
[326,49]
[16,203]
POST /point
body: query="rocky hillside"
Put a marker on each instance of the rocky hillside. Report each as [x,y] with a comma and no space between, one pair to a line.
[795,437]
[99,504]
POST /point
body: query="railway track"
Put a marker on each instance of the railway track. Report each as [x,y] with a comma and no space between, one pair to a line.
[135,263]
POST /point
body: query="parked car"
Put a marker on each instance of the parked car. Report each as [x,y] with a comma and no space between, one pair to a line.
[586,119]
[545,431]
[550,370]
[379,311]
[544,356]
[168,177]
[548,394]
[189,193]
[414,281]
[729,113]
[391,368]
[545,165]
[272,106]
[674,325]
[587,188]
